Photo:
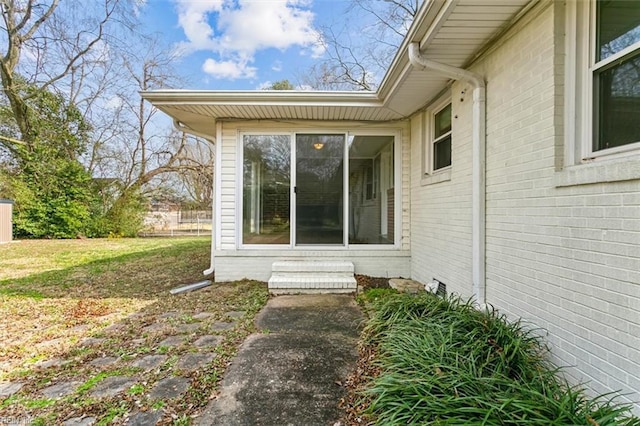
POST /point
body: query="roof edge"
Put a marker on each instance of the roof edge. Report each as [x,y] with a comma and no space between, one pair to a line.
[257,97]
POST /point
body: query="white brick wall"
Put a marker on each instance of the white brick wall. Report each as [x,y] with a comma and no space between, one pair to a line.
[564,258]
[441,212]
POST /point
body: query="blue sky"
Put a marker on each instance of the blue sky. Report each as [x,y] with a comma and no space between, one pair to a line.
[243,44]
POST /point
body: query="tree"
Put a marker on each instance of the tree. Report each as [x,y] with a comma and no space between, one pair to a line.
[78,54]
[59,39]
[147,156]
[196,173]
[360,62]
[281,85]
[50,53]
[52,190]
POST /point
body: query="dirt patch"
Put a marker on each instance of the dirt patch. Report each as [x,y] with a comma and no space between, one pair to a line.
[366,282]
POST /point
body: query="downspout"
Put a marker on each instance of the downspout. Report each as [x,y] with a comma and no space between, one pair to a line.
[478,218]
[181,127]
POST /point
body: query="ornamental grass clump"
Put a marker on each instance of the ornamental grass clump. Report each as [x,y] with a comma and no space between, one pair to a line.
[442,361]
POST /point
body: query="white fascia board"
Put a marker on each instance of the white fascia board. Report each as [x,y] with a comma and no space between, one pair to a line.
[256,98]
[422,22]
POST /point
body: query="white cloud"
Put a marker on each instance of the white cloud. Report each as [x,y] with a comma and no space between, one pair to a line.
[114,102]
[264,85]
[235,30]
[231,69]
[193,18]
[260,25]
[276,66]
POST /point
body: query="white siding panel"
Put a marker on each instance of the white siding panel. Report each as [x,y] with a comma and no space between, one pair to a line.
[256,264]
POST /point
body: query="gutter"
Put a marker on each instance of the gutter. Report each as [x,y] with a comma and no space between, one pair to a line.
[479,135]
[183,128]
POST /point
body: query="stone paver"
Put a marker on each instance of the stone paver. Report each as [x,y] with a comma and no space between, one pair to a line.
[156,327]
[103,361]
[169,314]
[51,344]
[92,341]
[202,315]
[139,341]
[235,315]
[53,362]
[172,341]
[149,362]
[60,389]
[221,326]
[112,386]
[406,286]
[79,328]
[208,340]
[192,362]
[188,328]
[169,388]
[9,388]
[114,328]
[80,421]
[144,418]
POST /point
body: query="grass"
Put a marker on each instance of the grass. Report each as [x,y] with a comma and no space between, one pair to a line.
[441,361]
[56,293]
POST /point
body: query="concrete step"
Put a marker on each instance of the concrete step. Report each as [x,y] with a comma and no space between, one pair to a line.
[312,276]
[313,266]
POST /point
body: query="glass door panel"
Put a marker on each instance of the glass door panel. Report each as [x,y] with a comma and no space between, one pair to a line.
[319,189]
[266,193]
[371,190]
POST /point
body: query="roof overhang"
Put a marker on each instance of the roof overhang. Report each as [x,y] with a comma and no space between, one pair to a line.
[453,32]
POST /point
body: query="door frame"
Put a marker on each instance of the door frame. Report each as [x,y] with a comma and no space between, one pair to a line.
[396,133]
[345,190]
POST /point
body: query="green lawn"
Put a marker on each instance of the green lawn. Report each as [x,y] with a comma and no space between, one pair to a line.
[55,293]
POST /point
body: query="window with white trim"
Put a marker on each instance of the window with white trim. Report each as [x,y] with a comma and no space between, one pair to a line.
[442,138]
[437,136]
[615,73]
[602,80]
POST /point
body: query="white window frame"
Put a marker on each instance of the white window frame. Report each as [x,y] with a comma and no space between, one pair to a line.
[431,175]
[240,187]
[579,158]
[581,70]
[397,136]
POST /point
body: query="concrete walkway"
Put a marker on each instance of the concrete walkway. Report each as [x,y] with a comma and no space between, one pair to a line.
[292,374]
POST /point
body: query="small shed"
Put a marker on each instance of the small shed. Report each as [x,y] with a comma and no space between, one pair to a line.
[6,221]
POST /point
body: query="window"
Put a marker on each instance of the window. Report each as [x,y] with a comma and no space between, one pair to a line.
[368,187]
[616,74]
[437,135]
[372,180]
[601,92]
[442,138]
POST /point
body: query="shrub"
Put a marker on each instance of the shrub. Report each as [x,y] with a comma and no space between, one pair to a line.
[442,361]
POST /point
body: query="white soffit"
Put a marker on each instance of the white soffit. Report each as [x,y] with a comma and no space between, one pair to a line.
[449,31]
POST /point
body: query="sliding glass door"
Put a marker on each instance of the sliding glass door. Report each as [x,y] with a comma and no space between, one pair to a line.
[319,189]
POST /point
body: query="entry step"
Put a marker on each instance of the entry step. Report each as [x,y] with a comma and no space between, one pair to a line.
[313,266]
[312,276]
